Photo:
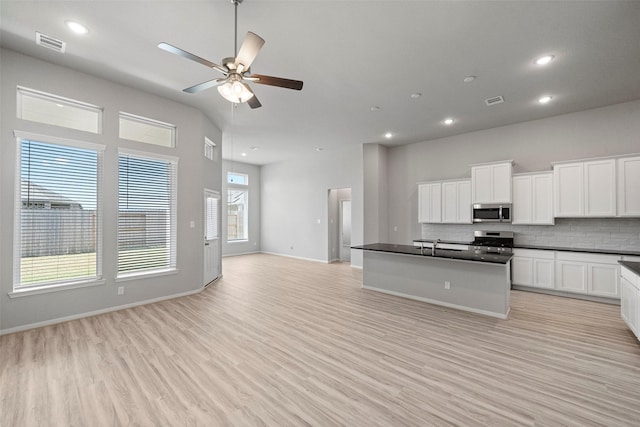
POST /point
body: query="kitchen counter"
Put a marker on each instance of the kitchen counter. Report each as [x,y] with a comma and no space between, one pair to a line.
[460,255]
[631,265]
[460,279]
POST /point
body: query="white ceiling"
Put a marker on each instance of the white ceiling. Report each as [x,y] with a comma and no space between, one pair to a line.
[353,55]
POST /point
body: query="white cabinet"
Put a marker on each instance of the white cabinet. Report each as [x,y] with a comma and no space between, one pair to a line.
[533,268]
[491,183]
[445,201]
[630,299]
[533,199]
[456,202]
[629,186]
[430,202]
[585,189]
[591,274]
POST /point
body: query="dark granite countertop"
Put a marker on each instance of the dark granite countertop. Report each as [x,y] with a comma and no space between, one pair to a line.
[590,251]
[451,242]
[462,255]
[631,265]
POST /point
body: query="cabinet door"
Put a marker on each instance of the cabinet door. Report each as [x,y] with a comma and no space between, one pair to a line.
[571,276]
[429,203]
[600,188]
[522,200]
[501,183]
[629,186]
[603,280]
[630,305]
[481,184]
[568,190]
[543,273]
[522,271]
[542,199]
[464,202]
[450,202]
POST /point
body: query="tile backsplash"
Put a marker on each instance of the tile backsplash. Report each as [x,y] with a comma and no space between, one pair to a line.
[586,233]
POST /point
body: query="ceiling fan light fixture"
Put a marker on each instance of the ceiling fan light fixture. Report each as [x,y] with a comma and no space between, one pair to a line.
[235,91]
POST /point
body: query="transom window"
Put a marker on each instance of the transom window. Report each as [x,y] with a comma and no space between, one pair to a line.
[142,129]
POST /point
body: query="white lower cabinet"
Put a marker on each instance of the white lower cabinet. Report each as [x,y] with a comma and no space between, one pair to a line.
[578,272]
[630,299]
[591,274]
[533,268]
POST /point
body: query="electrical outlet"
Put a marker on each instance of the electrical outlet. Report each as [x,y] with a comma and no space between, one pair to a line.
[447,284]
[120,290]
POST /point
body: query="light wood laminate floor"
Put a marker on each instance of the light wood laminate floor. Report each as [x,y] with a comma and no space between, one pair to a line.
[280,341]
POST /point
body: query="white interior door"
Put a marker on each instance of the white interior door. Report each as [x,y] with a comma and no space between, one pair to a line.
[345,230]
[211,236]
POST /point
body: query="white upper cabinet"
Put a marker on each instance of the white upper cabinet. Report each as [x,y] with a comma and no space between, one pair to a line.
[629,186]
[445,201]
[533,199]
[491,183]
[430,202]
[456,202]
[585,189]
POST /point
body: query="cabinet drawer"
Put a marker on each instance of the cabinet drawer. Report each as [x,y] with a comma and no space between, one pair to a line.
[587,257]
[534,253]
[633,278]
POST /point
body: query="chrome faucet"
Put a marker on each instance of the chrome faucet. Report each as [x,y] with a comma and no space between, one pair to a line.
[433,248]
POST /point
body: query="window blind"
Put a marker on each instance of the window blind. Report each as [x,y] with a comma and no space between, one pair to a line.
[146,213]
[212,217]
[59,210]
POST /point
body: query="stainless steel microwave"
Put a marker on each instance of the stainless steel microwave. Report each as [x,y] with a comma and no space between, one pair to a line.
[498,212]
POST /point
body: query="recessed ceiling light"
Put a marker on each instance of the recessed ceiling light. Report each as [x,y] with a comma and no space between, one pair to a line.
[448,121]
[545,99]
[416,95]
[469,79]
[243,154]
[388,135]
[76,27]
[544,60]
[319,149]
[375,108]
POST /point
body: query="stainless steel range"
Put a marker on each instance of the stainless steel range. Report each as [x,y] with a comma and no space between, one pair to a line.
[498,242]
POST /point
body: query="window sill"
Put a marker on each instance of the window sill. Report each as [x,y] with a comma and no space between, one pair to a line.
[237,241]
[36,290]
[146,274]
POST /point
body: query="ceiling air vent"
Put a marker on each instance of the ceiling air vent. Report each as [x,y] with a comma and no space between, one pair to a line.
[493,101]
[50,43]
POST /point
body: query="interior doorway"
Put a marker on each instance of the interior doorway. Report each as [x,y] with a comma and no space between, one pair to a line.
[339,239]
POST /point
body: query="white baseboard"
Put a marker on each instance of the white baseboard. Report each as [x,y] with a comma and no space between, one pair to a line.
[95,312]
[296,257]
[241,253]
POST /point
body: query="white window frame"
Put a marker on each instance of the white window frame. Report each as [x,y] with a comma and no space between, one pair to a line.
[210,149]
[24,290]
[241,187]
[173,268]
[60,101]
[148,122]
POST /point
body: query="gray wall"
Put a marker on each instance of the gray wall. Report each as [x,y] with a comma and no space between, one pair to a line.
[253,244]
[376,193]
[194,174]
[295,196]
[532,145]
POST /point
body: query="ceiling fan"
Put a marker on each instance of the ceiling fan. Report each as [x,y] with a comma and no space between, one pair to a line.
[237,72]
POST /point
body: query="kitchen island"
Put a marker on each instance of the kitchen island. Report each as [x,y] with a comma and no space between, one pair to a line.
[463,279]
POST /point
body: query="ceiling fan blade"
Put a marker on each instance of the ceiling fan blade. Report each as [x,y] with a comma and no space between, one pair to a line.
[204,85]
[253,101]
[177,51]
[248,51]
[277,81]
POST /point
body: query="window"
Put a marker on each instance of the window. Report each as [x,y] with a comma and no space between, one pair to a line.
[141,129]
[237,178]
[210,149]
[58,233]
[146,213]
[54,110]
[237,215]
[211,215]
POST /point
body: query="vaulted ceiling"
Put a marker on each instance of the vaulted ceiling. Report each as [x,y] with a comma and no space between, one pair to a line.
[360,62]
